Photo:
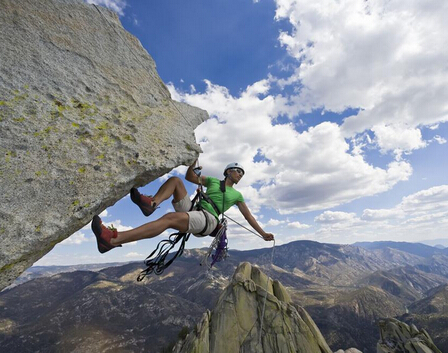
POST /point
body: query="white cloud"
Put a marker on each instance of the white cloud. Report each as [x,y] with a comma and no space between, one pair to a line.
[432,218]
[434,199]
[440,140]
[275,222]
[76,239]
[300,172]
[398,138]
[382,214]
[386,57]
[433,127]
[332,217]
[298,225]
[115,5]
[133,255]
[422,215]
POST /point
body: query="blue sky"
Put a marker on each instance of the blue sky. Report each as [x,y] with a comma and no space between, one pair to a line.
[337,109]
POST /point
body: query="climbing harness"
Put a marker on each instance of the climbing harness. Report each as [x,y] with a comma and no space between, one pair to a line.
[157,262]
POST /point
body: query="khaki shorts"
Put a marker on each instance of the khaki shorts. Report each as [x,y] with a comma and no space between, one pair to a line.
[196,219]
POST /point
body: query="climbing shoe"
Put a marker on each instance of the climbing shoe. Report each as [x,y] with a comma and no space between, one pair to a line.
[146,203]
[103,235]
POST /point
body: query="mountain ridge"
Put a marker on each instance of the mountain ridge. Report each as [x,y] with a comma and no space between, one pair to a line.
[345,308]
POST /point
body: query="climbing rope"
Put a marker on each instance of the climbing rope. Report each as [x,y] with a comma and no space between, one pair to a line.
[265,296]
[157,263]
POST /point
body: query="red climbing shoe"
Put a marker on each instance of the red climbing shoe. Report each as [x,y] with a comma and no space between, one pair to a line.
[146,203]
[103,235]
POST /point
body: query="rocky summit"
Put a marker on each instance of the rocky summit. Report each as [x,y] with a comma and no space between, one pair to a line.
[84,117]
[396,336]
[254,314]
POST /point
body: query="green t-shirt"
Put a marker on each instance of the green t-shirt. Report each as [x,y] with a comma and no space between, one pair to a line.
[231,196]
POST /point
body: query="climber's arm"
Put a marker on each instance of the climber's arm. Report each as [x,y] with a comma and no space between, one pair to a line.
[252,221]
[192,177]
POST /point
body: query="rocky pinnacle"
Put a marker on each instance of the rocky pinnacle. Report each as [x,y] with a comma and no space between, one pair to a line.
[234,323]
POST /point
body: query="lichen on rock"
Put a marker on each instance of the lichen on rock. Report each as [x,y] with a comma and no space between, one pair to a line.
[84,117]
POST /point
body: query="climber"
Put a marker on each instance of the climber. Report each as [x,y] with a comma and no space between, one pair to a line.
[199,223]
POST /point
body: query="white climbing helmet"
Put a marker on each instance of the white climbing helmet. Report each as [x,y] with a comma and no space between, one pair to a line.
[233,166]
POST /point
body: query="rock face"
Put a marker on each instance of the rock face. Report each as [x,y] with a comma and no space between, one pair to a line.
[234,324]
[84,117]
[398,337]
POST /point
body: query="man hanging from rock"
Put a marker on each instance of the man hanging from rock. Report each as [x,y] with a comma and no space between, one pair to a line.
[198,222]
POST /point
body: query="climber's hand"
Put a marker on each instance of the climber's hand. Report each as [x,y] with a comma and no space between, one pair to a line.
[268,236]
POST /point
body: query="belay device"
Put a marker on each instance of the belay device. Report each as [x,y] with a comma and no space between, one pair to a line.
[158,263]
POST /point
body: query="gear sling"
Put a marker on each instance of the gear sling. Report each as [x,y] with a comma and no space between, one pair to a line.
[157,263]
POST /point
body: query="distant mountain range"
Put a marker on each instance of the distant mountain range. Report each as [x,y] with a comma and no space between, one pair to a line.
[345,288]
[412,248]
[443,242]
[46,271]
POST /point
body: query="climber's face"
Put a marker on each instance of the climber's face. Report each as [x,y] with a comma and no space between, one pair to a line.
[235,174]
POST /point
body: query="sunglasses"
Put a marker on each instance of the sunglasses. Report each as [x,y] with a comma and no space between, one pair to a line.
[239,171]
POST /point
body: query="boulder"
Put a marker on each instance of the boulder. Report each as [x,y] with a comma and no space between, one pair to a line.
[398,337]
[84,117]
[254,314]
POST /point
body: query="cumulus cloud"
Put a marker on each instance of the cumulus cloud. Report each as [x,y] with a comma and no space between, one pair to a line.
[382,214]
[440,140]
[332,217]
[134,255]
[398,138]
[298,225]
[434,199]
[295,171]
[115,5]
[275,222]
[419,216]
[77,238]
[385,57]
